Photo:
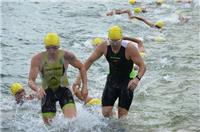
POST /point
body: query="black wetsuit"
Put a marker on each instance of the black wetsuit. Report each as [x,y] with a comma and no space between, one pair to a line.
[118,79]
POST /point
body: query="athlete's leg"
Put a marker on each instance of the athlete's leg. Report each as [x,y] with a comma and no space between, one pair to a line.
[122,112]
[66,102]
[48,105]
[107,111]
[47,117]
[110,95]
[69,110]
[125,100]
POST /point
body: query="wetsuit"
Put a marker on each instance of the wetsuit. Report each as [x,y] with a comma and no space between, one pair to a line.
[54,81]
[118,78]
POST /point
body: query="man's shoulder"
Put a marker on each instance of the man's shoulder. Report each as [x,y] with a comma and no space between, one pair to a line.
[132,46]
[67,54]
[37,56]
[104,44]
[102,47]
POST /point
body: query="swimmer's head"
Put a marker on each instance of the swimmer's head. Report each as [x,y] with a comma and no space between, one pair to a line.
[97,41]
[159,24]
[52,39]
[132,2]
[15,88]
[137,10]
[115,33]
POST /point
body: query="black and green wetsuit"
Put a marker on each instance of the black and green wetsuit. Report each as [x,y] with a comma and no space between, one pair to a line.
[55,82]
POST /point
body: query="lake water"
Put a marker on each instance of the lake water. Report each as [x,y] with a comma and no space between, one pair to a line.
[167,98]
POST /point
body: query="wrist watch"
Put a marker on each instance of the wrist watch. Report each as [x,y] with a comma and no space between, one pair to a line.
[138,77]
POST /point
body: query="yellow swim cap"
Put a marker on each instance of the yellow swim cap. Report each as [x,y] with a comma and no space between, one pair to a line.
[137,10]
[52,39]
[16,87]
[132,2]
[115,33]
[94,101]
[97,41]
[160,24]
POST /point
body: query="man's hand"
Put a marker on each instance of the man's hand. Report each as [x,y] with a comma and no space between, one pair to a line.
[75,88]
[41,93]
[76,85]
[133,84]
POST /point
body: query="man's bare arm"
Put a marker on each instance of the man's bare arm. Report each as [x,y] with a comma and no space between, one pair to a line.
[149,23]
[34,70]
[119,12]
[137,59]
[98,52]
[123,12]
[76,63]
[133,39]
[138,41]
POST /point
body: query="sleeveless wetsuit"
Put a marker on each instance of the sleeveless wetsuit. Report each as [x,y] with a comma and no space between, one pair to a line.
[118,78]
[54,81]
